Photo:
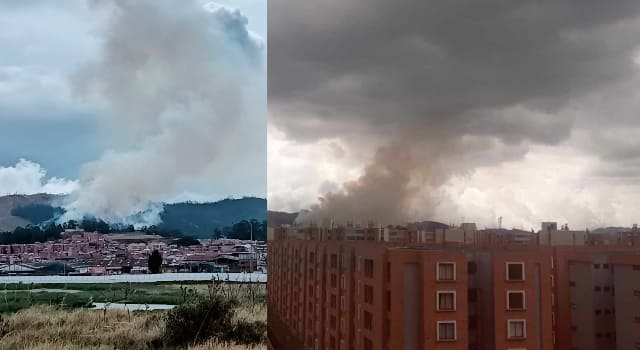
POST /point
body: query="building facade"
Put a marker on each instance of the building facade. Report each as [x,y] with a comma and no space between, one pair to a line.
[387,288]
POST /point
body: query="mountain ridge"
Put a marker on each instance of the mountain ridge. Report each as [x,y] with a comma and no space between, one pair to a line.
[198,219]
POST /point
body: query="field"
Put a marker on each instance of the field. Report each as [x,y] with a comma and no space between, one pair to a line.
[14,297]
[51,316]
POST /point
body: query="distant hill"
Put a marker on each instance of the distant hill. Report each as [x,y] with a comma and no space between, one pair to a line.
[429,226]
[8,205]
[610,230]
[279,218]
[195,219]
[200,219]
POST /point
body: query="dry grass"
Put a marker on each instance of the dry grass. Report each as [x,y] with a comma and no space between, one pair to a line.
[48,328]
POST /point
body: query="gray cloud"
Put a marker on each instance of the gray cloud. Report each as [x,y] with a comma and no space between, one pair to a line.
[462,83]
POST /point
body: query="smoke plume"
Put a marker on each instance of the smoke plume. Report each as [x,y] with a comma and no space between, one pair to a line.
[175,82]
[459,85]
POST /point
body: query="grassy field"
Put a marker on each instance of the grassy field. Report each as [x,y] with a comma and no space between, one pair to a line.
[14,297]
[34,317]
[50,328]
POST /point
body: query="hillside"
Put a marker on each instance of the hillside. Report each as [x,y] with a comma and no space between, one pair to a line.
[430,226]
[200,219]
[196,219]
[8,221]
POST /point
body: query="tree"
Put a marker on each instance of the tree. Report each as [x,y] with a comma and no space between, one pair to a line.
[155,261]
[186,241]
[88,225]
[71,224]
[102,227]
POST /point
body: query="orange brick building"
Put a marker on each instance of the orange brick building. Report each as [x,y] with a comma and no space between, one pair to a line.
[378,289]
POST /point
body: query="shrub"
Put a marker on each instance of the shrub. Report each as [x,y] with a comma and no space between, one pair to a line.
[247,333]
[198,321]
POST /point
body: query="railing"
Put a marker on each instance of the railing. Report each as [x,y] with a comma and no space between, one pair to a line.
[161,277]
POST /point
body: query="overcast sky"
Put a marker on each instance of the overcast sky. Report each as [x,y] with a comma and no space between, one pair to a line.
[456,110]
[62,117]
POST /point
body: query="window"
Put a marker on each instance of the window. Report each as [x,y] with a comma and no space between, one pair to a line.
[472,267]
[388,272]
[596,288]
[388,300]
[596,266]
[334,261]
[343,282]
[472,295]
[333,300]
[517,329]
[446,271]
[515,300]
[515,271]
[598,311]
[572,283]
[605,266]
[312,258]
[368,320]
[368,267]
[446,301]
[636,293]
[334,281]
[446,330]
[333,322]
[473,322]
[368,294]
[343,303]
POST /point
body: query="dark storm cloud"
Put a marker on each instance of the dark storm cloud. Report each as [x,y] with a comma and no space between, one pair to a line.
[405,62]
[435,73]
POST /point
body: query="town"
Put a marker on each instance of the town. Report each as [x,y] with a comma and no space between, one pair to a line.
[90,253]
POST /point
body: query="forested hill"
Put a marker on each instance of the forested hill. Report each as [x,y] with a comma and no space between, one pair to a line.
[201,219]
[195,219]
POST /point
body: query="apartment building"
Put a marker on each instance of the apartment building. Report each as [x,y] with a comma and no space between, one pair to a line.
[390,288]
[598,297]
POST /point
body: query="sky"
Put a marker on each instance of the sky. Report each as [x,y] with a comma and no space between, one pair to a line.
[164,100]
[456,111]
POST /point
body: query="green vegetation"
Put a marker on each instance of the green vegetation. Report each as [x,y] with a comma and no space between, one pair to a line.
[212,316]
[14,297]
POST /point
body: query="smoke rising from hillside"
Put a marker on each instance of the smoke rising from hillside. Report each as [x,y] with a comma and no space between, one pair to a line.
[175,80]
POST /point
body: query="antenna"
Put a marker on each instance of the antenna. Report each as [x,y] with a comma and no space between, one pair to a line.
[500,222]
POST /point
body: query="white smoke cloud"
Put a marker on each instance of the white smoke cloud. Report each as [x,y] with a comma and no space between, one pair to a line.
[27,177]
[180,84]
